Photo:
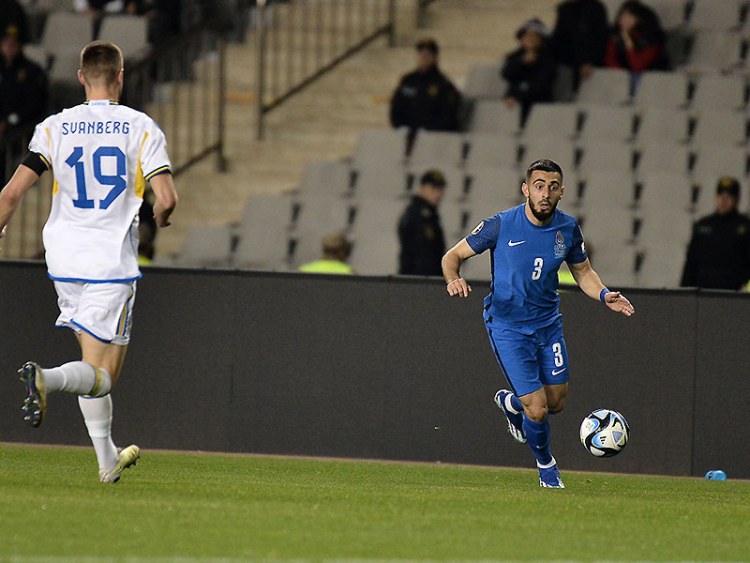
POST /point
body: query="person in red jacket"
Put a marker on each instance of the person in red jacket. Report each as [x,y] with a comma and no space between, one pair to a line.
[637,42]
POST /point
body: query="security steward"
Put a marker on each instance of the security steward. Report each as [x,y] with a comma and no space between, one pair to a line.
[23,90]
[419,230]
[719,253]
[426,98]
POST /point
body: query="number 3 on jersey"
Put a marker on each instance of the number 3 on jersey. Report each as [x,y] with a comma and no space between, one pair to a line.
[117,181]
[538,265]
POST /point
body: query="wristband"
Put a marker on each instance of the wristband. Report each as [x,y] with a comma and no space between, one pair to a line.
[602,293]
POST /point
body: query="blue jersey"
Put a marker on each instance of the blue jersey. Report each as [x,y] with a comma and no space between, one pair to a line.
[525,260]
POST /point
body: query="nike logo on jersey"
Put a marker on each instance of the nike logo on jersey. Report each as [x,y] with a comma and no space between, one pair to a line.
[515,243]
[558,371]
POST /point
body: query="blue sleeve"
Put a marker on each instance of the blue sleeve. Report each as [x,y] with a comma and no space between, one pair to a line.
[485,235]
[577,252]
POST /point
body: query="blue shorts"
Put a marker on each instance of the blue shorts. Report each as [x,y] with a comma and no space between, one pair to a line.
[530,361]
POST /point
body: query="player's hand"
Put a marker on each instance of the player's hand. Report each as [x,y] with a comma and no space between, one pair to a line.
[619,303]
[458,287]
[161,216]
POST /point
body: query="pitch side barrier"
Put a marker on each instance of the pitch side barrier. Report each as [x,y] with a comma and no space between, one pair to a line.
[386,368]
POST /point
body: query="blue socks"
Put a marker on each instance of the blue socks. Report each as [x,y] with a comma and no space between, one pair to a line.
[537,434]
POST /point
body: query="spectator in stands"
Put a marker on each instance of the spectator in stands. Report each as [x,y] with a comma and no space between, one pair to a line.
[580,37]
[719,253]
[164,17]
[637,42]
[419,230]
[426,98]
[23,92]
[530,70]
[13,14]
[336,250]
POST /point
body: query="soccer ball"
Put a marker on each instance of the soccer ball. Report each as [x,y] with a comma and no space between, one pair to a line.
[604,433]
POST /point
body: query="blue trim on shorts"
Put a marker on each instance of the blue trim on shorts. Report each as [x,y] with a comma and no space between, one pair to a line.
[81,280]
[87,331]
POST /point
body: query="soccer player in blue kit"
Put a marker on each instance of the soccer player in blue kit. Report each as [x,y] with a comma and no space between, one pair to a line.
[529,243]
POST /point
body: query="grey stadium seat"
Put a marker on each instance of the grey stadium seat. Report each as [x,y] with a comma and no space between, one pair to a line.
[663,124]
[719,92]
[559,149]
[324,179]
[666,192]
[484,81]
[206,245]
[706,203]
[604,189]
[387,183]
[721,128]
[662,90]
[663,157]
[434,146]
[66,32]
[263,232]
[605,86]
[562,119]
[723,15]
[615,157]
[715,50]
[606,122]
[130,33]
[662,265]
[494,188]
[493,116]
[379,148]
[486,149]
[718,160]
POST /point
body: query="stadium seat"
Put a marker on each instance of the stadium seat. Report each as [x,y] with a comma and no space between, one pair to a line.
[719,92]
[605,86]
[720,128]
[263,232]
[379,148]
[713,15]
[205,246]
[563,118]
[663,157]
[484,81]
[492,189]
[486,149]
[615,157]
[664,225]
[493,116]
[715,50]
[721,160]
[606,122]
[661,265]
[453,219]
[657,124]
[375,236]
[600,226]
[388,183]
[66,32]
[324,179]
[130,33]
[559,149]
[604,188]
[657,89]
[615,263]
[665,193]
[477,269]
[433,146]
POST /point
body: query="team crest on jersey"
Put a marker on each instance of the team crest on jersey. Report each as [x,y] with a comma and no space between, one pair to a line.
[560,249]
[478,228]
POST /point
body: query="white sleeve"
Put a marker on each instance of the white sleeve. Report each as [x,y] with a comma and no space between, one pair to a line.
[40,142]
[154,157]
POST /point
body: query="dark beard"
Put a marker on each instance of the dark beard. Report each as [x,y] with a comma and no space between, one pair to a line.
[542,215]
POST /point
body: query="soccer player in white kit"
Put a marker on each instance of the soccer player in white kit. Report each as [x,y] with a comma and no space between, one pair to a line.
[102,155]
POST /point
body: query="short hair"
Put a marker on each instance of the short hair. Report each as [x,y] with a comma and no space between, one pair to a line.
[545,165]
[101,60]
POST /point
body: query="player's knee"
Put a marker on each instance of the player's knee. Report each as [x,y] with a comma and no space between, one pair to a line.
[537,413]
[556,405]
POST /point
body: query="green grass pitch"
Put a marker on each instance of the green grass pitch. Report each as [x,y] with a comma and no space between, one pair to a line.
[200,507]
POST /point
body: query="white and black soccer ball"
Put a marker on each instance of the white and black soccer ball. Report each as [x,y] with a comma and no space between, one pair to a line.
[604,433]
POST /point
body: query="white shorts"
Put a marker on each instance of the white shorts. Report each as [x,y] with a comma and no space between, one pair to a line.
[103,310]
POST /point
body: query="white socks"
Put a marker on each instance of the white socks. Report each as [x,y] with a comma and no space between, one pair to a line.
[97,414]
[79,378]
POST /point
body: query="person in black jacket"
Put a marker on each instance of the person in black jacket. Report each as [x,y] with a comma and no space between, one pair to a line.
[579,39]
[426,98]
[719,253]
[419,230]
[530,70]
[23,94]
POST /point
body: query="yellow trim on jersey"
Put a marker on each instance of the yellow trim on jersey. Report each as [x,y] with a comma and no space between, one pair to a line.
[55,186]
[159,170]
[45,161]
[140,181]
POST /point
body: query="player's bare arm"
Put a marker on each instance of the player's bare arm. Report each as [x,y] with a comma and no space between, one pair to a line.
[13,192]
[590,283]
[451,263]
[166,198]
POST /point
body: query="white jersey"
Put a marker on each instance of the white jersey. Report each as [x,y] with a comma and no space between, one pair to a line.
[101,154]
